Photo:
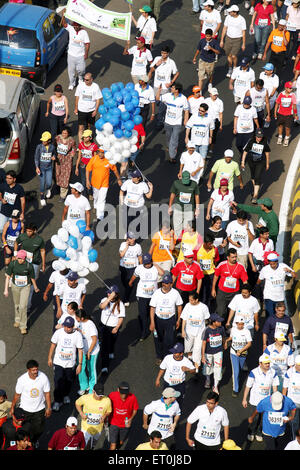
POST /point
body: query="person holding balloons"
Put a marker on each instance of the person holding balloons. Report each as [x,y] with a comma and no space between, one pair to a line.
[140,142]
[73,291]
[146,99]
[141,58]
[77,206]
[86,150]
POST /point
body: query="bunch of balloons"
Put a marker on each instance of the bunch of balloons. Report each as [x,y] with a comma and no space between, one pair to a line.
[73,248]
[119,113]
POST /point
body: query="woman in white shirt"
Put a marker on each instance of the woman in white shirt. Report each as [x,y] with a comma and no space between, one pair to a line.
[112,317]
[293,26]
[88,375]
[130,257]
[146,25]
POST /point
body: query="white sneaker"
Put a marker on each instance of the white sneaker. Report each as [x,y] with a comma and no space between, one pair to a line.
[207,383]
[126,304]
[259,438]
[254,56]
[247,5]
[251,11]
[48,194]
[56,406]
[250,437]
[209,86]
[71,87]
[67,400]
[81,392]
[259,56]
[111,356]
[43,202]
[104,370]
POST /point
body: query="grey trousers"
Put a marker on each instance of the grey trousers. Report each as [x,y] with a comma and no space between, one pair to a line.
[76,66]
[172,134]
[20,298]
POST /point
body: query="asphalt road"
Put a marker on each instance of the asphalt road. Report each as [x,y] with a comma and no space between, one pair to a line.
[134,364]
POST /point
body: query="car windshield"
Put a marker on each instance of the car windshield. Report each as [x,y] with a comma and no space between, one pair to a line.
[17,38]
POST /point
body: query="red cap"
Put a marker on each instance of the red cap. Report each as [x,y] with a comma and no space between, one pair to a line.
[141,39]
[288,85]
[223,182]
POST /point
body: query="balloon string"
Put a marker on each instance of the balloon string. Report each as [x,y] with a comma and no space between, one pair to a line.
[145,178]
[100,279]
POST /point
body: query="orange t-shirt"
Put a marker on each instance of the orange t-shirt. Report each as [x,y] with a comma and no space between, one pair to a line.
[100,168]
[161,242]
[276,39]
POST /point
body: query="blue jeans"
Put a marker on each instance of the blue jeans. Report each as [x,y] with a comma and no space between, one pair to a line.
[261,34]
[202,149]
[237,363]
[172,134]
[270,307]
[45,179]
[197,5]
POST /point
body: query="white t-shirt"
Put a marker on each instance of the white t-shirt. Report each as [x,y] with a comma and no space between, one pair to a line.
[238,233]
[162,418]
[66,347]
[274,281]
[210,20]
[163,72]
[89,329]
[71,294]
[147,284]
[64,316]
[291,381]
[221,204]
[245,308]
[200,127]
[131,257]
[147,26]
[77,206]
[146,95]
[261,384]
[270,82]
[165,303]
[257,249]
[191,162]
[134,193]
[110,315]
[140,60]
[245,124]
[77,41]
[298,89]
[59,281]
[88,95]
[209,424]
[239,339]
[293,445]
[175,108]
[194,103]
[215,107]
[258,98]
[235,26]
[195,316]
[174,374]
[280,360]
[32,391]
[242,81]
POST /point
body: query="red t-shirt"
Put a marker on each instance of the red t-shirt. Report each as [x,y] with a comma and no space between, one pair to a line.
[122,409]
[286,103]
[60,440]
[263,15]
[15,447]
[141,133]
[187,275]
[230,275]
[87,152]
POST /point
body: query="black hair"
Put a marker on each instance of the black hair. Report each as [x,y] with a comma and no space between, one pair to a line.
[247,287]
[165,49]
[204,106]
[231,251]
[81,313]
[259,82]
[155,434]
[31,226]
[32,363]
[209,31]
[21,434]
[208,238]
[194,295]
[73,306]
[213,396]
[66,128]
[263,230]
[192,224]
[241,215]
[215,219]
[178,87]
[11,173]
[58,87]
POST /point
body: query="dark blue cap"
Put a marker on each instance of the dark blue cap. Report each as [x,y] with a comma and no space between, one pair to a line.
[147,258]
[69,322]
[177,348]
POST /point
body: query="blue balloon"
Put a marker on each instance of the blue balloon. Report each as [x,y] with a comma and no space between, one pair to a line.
[137,111]
[102,109]
[89,233]
[125,116]
[99,124]
[72,242]
[129,86]
[121,85]
[114,87]
[114,120]
[129,107]
[111,103]
[81,225]
[106,91]
[129,125]
[135,101]
[118,133]
[127,134]
[107,116]
[118,97]
[59,253]
[135,93]
[137,120]
[124,92]
[115,112]
[92,255]
[127,98]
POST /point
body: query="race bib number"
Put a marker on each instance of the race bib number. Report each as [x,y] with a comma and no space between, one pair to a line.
[275,417]
[93,419]
[263,22]
[277,41]
[205,264]
[185,198]
[20,281]
[46,157]
[246,124]
[148,289]
[59,106]
[29,256]
[187,279]
[129,262]
[66,354]
[87,97]
[286,102]
[230,282]
[208,432]
[62,149]
[215,341]
[10,198]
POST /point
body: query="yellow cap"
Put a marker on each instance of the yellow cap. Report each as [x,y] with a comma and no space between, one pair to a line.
[45,136]
[87,133]
[229,444]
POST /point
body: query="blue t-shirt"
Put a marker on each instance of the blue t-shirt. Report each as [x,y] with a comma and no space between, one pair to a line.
[214,339]
[208,56]
[272,419]
[274,324]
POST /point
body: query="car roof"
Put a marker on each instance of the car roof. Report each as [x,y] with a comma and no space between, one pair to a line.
[10,90]
[22,15]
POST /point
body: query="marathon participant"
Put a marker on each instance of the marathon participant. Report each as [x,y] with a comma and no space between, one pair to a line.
[260,26]
[257,252]
[245,116]
[210,18]
[22,441]
[94,409]
[260,383]
[177,110]
[112,317]
[240,233]
[293,26]
[278,323]
[225,168]
[12,197]
[148,273]
[162,246]
[216,110]
[88,97]
[260,100]
[199,129]
[124,408]
[281,356]
[208,258]
[219,203]
[45,154]
[208,49]
[189,240]
[194,316]
[274,275]
[12,426]
[77,206]
[11,230]
[57,110]
[271,82]
[72,308]
[257,153]
[188,276]
[66,342]
[195,100]
[233,37]
[219,234]
[285,113]
[210,418]
[73,291]
[212,351]
[146,24]
[165,306]
[230,273]
[130,257]
[86,150]
[130,162]
[241,80]
[192,161]
[241,341]
[247,306]
[5,406]
[68,438]
[141,58]
[146,99]
[65,150]
[291,384]
[155,443]
[165,414]
[295,444]
[278,42]
[57,280]
[173,370]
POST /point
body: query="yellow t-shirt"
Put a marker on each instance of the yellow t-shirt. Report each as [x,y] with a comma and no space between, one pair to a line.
[146,446]
[94,409]
[188,242]
[206,259]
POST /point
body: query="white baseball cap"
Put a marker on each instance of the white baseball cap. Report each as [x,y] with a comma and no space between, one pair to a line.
[188,253]
[239,319]
[208,3]
[283,22]
[264,358]
[233,8]
[228,153]
[72,421]
[213,91]
[191,145]
[280,336]
[78,186]
[276,400]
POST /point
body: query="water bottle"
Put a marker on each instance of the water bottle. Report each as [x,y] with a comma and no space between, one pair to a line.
[126,422]
[266,124]
[155,334]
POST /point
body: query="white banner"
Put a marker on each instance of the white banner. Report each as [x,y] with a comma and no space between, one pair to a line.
[107,22]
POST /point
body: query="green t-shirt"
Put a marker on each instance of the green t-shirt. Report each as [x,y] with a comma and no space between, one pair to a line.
[185,193]
[32,245]
[225,170]
[269,218]
[21,273]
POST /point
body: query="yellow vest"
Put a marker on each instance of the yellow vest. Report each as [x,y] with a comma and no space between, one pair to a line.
[187,242]
[206,260]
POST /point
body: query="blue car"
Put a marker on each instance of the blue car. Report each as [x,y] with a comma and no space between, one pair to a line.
[32,40]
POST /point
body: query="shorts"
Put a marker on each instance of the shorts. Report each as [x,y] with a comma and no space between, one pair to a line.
[8,251]
[166,266]
[286,121]
[232,46]
[85,119]
[117,434]
[205,68]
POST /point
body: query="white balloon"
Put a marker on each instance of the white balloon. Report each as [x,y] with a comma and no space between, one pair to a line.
[99,140]
[126,153]
[57,265]
[75,266]
[71,253]
[118,157]
[122,107]
[108,128]
[133,140]
[62,262]
[63,234]
[112,161]
[134,133]
[93,267]
[83,272]
[74,230]
[79,243]
[83,260]
[54,239]
[60,245]
[83,280]
[86,243]
[106,143]
[117,147]
[67,263]
[126,144]
[66,224]
[112,138]
[108,155]
[133,148]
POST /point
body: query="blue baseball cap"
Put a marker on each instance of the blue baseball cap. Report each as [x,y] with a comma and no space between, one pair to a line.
[215,317]
[268,66]
[167,278]
[112,289]
[244,61]
[72,276]
[136,174]
[147,258]
[130,235]
[69,322]
[177,348]
[247,100]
